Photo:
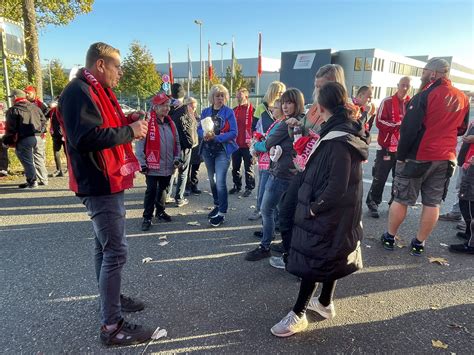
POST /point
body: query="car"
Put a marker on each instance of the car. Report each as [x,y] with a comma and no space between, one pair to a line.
[126,109]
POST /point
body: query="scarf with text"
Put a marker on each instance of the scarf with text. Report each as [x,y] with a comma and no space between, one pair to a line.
[152,145]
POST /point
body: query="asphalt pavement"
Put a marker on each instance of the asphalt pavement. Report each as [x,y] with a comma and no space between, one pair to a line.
[209,299]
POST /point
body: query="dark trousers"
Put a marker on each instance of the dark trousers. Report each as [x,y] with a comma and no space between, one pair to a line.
[307,289]
[58,144]
[287,208]
[155,195]
[3,156]
[384,163]
[237,157]
[193,180]
[467,211]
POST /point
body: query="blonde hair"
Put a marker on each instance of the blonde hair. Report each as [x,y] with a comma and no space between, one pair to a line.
[99,50]
[332,73]
[190,100]
[217,88]
[272,92]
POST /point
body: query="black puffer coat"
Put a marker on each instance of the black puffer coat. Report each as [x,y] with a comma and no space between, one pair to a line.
[327,247]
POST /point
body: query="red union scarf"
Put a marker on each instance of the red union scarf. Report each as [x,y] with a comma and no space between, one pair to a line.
[113,116]
[304,147]
[152,145]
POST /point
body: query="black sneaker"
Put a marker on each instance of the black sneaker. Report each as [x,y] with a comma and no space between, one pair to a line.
[234,190]
[29,185]
[463,235]
[217,220]
[130,305]
[461,248]
[196,191]
[247,193]
[132,334]
[277,247]
[213,213]
[146,225]
[416,248]
[387,242]
[258,254]
[187,193]
[163,216]
[258,234]
[373,209]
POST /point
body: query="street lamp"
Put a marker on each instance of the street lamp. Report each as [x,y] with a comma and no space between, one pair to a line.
[50,78]
[222,57]
[199,23]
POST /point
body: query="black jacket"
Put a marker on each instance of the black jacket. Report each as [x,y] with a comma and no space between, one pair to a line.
[23,119]
[186,125]
[327,247]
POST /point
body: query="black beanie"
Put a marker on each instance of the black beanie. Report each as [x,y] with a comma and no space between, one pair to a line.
[177,91]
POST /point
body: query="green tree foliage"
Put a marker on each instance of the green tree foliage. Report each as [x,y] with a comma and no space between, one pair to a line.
[58,78]
[139,72]
[238,80]
[16,75]
[38,13]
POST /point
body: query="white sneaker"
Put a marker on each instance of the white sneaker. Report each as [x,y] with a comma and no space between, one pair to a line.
[328,312]
[277,262]
[289,325]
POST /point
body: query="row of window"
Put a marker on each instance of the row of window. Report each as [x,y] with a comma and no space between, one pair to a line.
[375,91]
[392,90]
[404,69]
[375,64]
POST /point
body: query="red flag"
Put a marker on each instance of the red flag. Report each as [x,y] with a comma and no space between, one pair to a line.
[170,66]
[259,70]
[209,73]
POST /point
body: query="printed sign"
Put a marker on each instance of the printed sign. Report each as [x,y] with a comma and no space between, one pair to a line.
[165,78]
[165,86]
[304,61]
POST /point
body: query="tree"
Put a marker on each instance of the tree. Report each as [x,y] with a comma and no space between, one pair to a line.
[140,76]
[238,79]
[16,75]
[38,13]
[58,78]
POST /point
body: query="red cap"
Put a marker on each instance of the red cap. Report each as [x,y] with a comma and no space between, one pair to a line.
[160,99]
[30,89]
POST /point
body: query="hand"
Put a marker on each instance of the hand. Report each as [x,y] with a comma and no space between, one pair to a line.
[468,139]
[209,136]
[138,115]
[144,170]
[293,122]
[140,129]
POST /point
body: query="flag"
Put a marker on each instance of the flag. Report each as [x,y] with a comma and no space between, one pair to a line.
[209,73]
[232,66]
[259,70]
[190,71]
[170,66]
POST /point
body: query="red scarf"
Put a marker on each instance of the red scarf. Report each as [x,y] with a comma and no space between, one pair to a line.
[152,145]
[19,99]
[113,116]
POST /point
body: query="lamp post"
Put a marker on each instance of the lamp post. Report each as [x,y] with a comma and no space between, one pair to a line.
[50,78]
[222,44]
[199,23]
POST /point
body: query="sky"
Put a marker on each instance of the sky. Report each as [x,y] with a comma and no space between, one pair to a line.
[407,27]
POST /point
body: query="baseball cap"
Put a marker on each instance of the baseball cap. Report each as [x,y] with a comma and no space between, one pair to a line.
[160,99]
[30,88]
[438,65]
[18,93]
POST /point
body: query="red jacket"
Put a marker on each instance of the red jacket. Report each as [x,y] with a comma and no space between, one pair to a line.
[244,115]
[388,124]
[434,119]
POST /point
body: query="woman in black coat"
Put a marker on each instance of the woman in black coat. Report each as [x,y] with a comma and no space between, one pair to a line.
[326,236]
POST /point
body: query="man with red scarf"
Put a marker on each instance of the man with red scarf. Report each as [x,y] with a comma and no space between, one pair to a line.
[389,118]
[101,166]
[243,114]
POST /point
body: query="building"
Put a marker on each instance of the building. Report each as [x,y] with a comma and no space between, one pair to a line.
[371,67]
[270,71]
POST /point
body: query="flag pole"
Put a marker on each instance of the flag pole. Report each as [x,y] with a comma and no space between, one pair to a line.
[232,72]
[189,73]
[259,68]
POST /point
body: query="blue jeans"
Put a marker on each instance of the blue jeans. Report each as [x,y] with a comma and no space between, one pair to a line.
[107,213]
[262,181]
[274,190]
[217,165]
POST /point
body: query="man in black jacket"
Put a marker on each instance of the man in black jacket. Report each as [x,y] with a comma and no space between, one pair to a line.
[25,129]
[187,131]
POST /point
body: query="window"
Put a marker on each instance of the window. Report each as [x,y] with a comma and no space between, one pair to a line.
[419,71]
[381,64]
[358,64]
[368,64]
[392,67]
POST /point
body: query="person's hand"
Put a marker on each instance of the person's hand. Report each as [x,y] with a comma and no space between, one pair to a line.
[140,129]
[468,139]
[293,122]
[209,136]
[143,170]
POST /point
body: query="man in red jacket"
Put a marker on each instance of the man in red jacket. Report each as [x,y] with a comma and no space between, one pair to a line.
[243,114]
[388,121]
[427,153]
[101,166]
